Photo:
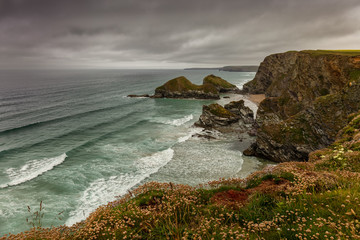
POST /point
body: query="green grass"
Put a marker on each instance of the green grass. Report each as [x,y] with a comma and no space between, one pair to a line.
[220,111]
[354,75]
[256,181]
[217,82]
[333,52]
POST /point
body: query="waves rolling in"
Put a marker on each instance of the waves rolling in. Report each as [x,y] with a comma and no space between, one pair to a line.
[175,122]
[31,170]
[104,190]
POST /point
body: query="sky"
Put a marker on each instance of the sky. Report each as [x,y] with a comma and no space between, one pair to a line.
[169,33]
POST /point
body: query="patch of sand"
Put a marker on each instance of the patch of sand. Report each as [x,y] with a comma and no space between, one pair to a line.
[256,98]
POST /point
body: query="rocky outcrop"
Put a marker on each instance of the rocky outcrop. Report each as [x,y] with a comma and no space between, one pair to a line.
[234,116]
[181,87]
[215,115]
[309,95]
[220,84]
[239,109]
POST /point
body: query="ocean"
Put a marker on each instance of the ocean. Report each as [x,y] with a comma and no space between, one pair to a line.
[73,140]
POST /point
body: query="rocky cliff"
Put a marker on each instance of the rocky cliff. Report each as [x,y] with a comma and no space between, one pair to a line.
[309,95]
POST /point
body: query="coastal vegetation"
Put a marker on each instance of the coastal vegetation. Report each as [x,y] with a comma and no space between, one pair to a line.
[220,111]
[319,199]
[348,52]
[221,84]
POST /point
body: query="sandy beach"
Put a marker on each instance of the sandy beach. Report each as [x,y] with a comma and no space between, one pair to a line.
[256,98]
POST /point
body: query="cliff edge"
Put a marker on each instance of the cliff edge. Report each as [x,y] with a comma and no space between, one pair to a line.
[309,95]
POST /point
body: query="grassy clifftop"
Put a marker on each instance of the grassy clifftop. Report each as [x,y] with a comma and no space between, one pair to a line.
[334,52]
[319,199]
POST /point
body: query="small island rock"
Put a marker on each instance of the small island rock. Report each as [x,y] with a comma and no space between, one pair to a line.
[181,87]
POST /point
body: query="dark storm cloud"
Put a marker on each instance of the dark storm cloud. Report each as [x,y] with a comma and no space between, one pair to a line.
[165,33]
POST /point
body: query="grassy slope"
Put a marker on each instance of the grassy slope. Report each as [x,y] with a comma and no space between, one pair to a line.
[220,111]
[319,199]
[218,82]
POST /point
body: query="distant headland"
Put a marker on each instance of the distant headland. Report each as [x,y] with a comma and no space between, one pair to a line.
[230,68]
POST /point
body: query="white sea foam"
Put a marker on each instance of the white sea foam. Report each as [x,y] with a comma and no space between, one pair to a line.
[125,96]
[104,190]
[191,133]
[251,105]
[151,164]
[176,122]
[31,170]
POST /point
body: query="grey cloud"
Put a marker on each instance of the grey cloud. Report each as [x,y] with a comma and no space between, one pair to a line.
[118,33]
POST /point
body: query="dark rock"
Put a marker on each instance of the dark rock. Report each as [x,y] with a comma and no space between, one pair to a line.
[249,151]
[252,132]
[226,97]
[215,115]
[206,136]
[238,108]
[234,117]
[136,96]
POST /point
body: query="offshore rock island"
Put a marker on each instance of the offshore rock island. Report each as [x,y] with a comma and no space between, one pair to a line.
[309,121]
[181,87]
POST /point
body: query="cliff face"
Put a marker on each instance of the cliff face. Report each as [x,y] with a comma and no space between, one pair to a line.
[309,95]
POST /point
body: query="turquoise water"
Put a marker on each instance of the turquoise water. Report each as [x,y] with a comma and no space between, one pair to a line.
[73,140]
